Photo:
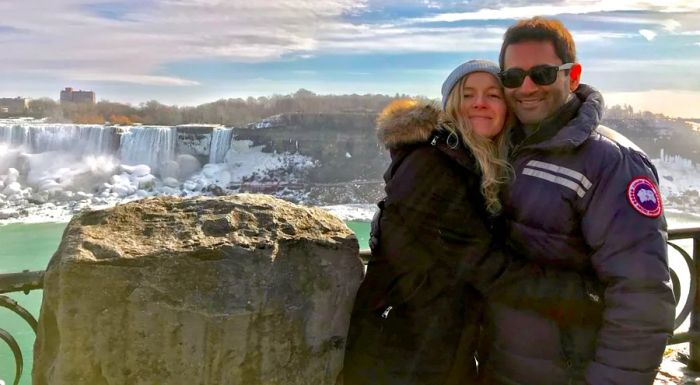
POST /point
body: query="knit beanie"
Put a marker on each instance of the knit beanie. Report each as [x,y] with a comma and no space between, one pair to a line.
[465,69]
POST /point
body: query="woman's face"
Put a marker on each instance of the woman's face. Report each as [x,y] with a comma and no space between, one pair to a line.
[483,104]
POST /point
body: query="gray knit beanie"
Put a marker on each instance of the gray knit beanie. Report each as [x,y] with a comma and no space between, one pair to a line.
[465,69]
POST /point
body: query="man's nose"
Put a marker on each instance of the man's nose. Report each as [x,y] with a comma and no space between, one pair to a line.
[528,85]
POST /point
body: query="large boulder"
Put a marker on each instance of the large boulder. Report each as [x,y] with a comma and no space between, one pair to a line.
[244,289]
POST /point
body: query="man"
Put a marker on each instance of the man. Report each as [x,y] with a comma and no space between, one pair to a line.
[578,201]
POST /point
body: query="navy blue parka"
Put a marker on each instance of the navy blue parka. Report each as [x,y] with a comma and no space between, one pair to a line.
[569,206]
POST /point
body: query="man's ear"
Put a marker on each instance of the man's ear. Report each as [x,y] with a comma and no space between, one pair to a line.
[574,77]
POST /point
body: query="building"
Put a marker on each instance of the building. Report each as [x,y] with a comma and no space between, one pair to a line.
[69,95]
[14,106]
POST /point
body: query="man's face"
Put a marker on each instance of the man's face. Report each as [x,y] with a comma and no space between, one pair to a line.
[531,102]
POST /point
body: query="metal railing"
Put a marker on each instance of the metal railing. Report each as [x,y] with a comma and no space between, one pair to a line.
[691,307]
[33,280]
[18,282]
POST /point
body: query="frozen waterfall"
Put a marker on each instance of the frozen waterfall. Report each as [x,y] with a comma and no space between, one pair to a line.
[149,145]
[220,144]
[76,139]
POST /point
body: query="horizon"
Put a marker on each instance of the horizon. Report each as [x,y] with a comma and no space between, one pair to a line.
[192,52]
[139,104]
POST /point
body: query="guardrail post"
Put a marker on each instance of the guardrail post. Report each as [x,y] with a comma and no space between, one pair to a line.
[694,363]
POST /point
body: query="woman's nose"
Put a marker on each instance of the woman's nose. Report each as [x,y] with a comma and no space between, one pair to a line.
[479,101]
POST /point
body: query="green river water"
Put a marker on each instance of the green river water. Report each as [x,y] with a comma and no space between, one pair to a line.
[30,246]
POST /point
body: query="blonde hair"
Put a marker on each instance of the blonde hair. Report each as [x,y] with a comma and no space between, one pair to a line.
[490,154]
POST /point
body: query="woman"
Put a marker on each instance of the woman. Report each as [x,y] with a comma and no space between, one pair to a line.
[415,319]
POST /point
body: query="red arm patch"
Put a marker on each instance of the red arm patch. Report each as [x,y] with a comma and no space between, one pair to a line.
[644,197]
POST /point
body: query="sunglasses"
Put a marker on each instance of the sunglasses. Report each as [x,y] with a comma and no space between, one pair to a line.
[542,75]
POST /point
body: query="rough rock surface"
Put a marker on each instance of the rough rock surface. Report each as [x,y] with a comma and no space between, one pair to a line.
[244,289]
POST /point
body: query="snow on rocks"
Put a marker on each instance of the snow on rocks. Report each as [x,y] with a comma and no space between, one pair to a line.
[679,182]
[353,212]
[53,186]
[137,171]
[188,165]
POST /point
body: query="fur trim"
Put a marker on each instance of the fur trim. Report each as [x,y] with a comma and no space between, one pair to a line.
[407,121]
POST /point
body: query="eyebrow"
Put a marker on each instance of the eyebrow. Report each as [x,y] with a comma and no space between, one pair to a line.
[487,89]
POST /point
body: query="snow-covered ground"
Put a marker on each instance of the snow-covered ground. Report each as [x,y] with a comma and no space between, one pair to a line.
[679,183]
[353,212]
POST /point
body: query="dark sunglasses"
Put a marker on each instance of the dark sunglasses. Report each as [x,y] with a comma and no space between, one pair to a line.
[542,75]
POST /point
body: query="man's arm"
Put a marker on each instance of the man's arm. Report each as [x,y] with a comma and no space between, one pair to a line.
[430,219]
[628,240]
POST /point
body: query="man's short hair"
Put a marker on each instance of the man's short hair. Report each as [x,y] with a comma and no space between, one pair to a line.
[540,29]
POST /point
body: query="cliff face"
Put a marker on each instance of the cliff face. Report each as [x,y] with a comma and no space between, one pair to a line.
[673,136]
[344,145]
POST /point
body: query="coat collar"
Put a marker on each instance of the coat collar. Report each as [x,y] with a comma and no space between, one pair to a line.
[404,123]
[569,127]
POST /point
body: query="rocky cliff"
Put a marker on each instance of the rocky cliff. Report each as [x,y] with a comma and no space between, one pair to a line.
[344,144]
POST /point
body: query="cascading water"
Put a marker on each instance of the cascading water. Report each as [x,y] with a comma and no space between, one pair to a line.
[220,144]
[6,134]
[149,145]
[76,139]
[63,168]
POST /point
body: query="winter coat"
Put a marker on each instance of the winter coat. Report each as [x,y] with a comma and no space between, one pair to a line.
[583,202]
[415,321]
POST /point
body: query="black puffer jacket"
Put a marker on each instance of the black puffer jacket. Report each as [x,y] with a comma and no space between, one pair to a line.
[415,321]
[574,205]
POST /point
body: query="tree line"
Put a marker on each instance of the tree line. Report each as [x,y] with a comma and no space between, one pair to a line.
[236,112]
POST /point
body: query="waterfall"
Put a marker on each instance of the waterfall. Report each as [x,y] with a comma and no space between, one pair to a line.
[5,134]
[220,143]
[76,139]
[151,145]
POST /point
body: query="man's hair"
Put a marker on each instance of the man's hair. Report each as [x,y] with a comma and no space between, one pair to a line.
[540,29]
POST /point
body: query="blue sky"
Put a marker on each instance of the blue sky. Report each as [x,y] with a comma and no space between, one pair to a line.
[187,52]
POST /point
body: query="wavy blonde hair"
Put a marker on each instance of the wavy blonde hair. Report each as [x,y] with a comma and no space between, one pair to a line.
[490,154]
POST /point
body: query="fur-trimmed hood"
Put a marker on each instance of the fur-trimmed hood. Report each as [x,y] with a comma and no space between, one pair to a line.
[407,121]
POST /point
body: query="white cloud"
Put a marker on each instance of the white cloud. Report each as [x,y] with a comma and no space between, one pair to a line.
[698,44]
[648,34]
[133,79]
[671,25]
[674,103]
[66,34]
[637,66]
[391,39]
[432,4]
[567,7]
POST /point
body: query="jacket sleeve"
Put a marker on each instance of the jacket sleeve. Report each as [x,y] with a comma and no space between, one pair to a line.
[431,217]
[629,255]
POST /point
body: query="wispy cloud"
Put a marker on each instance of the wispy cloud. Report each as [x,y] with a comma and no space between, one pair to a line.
[392,39]
[153,45]
[503,11]
[648,34]
[133,79]
[136,42]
